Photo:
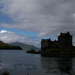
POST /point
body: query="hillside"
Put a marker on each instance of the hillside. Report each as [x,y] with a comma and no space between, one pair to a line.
[24,46]
[8,46]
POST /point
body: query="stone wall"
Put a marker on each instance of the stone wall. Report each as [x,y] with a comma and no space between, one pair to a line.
[64,42]
[45,43]
[55,44]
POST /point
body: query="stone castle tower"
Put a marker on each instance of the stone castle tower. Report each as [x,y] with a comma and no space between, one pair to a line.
[64,42]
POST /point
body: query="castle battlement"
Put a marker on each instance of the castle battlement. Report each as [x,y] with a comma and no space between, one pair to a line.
[64,42]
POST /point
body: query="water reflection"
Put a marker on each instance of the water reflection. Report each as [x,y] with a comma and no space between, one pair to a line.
[49,66]
[59,66]
[65,66]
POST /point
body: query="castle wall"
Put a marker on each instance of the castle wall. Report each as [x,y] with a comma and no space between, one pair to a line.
[64,42]
[55,44]
[45,43]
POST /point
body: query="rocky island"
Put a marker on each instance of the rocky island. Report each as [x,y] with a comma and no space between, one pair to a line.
[62,46]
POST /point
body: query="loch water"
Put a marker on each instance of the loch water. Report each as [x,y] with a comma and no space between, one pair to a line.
[18,62]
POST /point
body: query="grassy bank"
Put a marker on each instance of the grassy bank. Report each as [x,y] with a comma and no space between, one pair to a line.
[55,52]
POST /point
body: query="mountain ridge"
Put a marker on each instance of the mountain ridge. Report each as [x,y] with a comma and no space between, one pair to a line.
[24,46]
[9,46]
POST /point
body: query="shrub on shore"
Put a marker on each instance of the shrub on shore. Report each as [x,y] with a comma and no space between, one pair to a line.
[31,51]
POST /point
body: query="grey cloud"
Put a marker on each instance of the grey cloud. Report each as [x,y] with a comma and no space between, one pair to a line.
[48,17]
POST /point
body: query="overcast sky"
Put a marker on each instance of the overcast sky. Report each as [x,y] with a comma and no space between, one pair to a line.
[29,21]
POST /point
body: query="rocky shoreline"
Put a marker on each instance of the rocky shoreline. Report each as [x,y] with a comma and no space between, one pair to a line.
[53,54]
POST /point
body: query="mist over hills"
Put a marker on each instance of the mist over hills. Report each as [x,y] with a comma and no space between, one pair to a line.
[24,46]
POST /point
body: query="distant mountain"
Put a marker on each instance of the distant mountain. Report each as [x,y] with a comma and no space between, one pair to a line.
[24,46]
[8,46]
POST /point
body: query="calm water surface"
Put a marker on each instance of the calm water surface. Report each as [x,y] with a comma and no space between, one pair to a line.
[17,62]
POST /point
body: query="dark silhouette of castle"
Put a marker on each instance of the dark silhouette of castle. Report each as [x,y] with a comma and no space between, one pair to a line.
[64,42]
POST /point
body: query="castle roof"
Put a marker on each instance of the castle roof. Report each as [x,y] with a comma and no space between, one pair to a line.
[46,39]
[64,34]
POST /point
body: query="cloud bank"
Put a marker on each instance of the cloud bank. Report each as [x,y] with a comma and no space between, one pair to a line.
[9,37]
[48,17]
[5,31]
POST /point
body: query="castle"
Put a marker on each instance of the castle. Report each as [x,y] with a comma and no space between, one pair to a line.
[64,42]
